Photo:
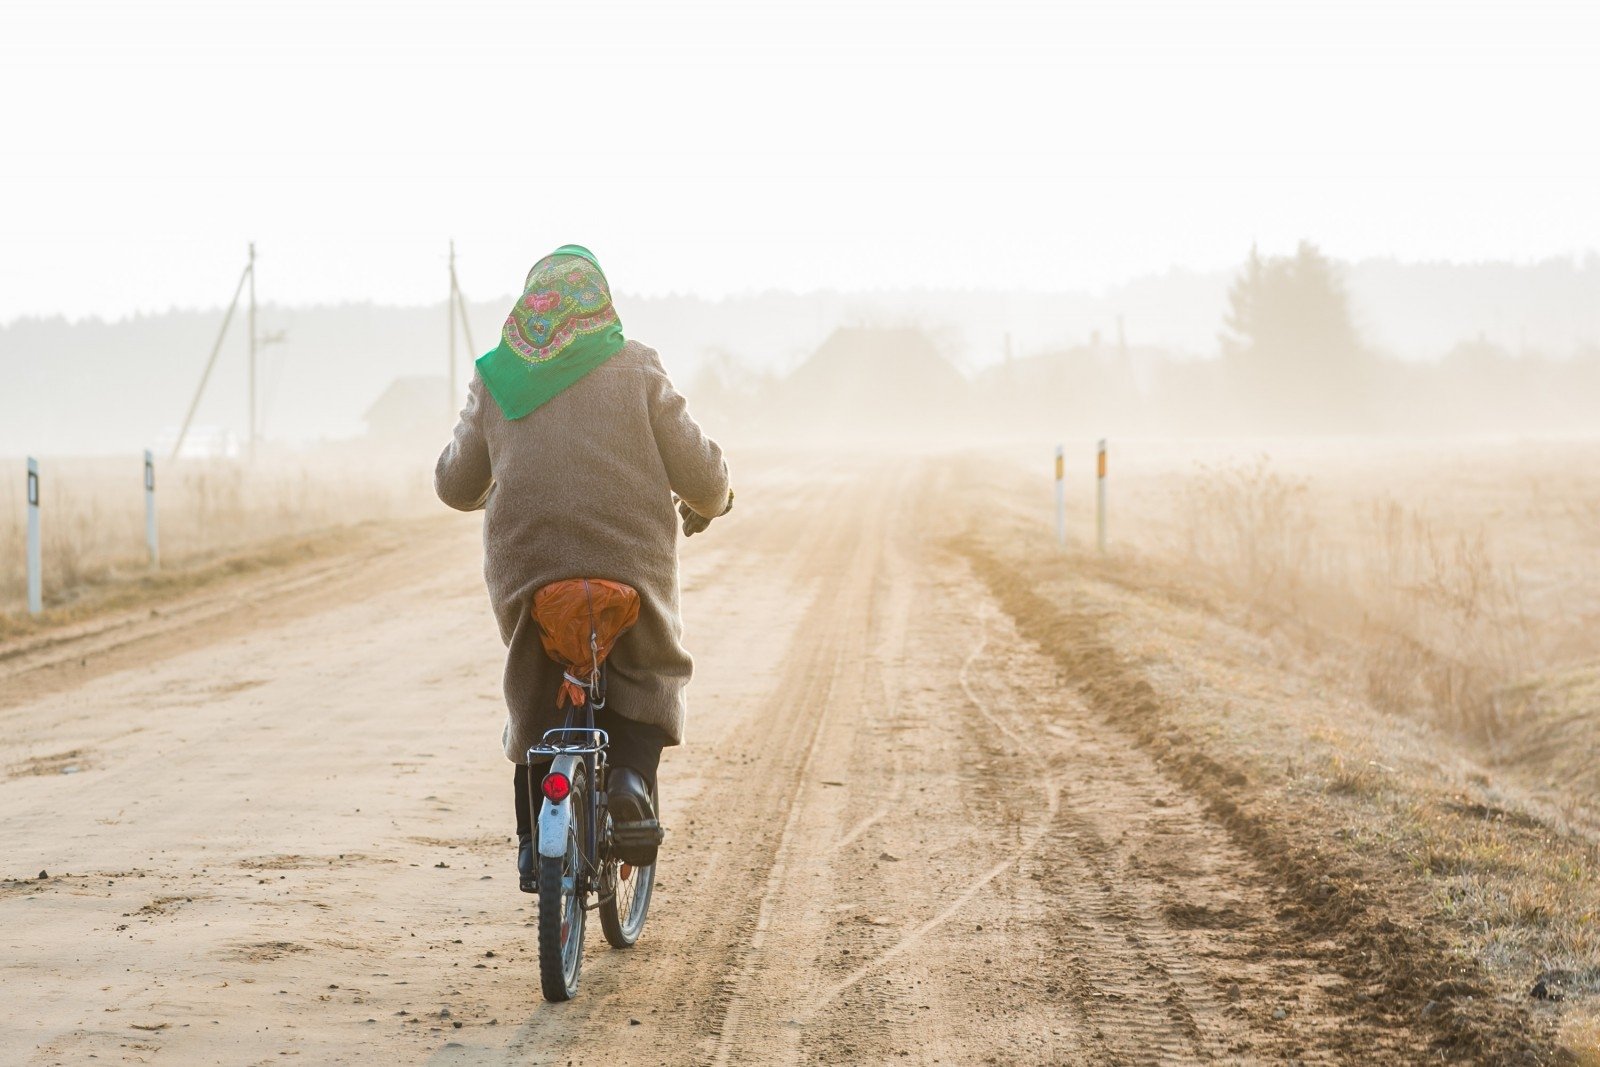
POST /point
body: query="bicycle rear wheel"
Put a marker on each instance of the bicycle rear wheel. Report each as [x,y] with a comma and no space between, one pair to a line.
[626,896]
[561,914]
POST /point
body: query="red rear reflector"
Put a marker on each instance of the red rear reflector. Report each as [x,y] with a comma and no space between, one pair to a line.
[556,786]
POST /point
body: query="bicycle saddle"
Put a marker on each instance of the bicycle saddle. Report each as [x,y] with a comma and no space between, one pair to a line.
[579,621]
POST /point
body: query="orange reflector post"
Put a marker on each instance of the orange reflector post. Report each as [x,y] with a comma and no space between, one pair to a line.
[1100,495]
[1061,494]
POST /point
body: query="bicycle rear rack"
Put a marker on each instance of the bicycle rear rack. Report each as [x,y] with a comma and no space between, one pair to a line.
[587,741]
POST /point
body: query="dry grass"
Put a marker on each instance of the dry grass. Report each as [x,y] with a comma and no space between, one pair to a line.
[1309,802]
[139,590]
[1465,605]
[1580,1034]
[1437,623]
[1443,581]
[211,512]
[1402,660]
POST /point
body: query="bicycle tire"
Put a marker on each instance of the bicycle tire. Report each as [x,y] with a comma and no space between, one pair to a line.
[622,929]
[561,914]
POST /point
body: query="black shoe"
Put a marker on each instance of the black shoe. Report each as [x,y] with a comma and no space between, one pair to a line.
[527,864]
[635,833]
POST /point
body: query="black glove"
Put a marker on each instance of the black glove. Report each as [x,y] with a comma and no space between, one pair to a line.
[693,521]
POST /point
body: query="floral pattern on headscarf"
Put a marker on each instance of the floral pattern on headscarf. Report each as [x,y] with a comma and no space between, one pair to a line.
[565,298]
[563,326]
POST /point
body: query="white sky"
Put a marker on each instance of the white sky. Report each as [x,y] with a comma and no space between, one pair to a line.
[725,147]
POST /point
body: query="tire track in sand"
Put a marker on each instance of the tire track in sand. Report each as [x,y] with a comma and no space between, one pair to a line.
[731,844]
[1167,938]
[872,602]
[1034,835]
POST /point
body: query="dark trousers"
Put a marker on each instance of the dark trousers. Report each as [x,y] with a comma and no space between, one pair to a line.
[632,744]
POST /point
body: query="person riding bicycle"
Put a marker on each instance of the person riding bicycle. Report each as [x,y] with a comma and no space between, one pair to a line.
[574,442]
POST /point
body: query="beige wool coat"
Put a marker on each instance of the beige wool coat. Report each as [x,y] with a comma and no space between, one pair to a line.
[582,488]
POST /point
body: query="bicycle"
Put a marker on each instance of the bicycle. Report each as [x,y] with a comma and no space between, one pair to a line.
[575,859]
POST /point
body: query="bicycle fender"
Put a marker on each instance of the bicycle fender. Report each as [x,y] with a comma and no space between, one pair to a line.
[555,818]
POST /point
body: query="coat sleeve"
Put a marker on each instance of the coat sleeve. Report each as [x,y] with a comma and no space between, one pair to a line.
[695,467]
[462,476]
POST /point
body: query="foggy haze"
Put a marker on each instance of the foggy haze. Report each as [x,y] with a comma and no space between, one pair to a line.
[717,149]
[1073,187]
[1522,340]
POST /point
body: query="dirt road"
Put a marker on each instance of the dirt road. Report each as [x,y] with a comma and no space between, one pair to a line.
[276,823]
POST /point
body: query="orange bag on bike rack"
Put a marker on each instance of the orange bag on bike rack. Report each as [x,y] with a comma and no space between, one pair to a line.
[579,621]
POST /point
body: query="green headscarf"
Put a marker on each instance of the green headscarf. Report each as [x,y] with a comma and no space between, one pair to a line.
[561,328]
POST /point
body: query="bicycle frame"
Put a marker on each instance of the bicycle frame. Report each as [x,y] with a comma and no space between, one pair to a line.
[578,743]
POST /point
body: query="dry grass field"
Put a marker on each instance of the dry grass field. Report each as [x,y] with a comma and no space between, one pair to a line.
[216,516]
[1402,645]
[1452,570]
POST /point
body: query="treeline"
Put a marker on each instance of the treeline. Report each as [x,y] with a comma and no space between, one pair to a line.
[1286,344]
[1477,389]
[1289,360]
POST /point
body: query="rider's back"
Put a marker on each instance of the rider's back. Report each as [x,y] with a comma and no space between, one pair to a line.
[582,488]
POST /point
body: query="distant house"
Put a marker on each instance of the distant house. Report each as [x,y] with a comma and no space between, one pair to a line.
[201,442]
[874,382]
[410,406]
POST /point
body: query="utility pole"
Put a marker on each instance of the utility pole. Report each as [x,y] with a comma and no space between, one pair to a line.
[251,270]
[461,308]
[458,311]
[450,382]
[247,274]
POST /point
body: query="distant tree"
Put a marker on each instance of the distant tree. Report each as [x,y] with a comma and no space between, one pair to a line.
[1290,349]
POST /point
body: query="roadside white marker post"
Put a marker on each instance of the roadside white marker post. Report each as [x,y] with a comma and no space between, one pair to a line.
[1100,495]
[150,536]
[1061,495]
[35,579]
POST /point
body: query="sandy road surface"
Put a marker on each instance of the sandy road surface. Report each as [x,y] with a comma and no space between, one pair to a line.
[895,834]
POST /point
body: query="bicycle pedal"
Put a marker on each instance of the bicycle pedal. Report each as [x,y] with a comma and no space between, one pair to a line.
[640,833]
